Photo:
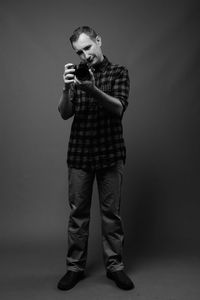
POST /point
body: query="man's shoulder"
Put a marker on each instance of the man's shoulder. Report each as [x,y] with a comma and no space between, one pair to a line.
[117,67]
[117,70]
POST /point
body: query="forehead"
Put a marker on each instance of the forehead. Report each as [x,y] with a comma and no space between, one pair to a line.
[82,41]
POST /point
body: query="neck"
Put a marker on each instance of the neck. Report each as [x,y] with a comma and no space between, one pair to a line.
[100,60]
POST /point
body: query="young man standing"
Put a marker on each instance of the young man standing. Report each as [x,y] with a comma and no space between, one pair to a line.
[96,150]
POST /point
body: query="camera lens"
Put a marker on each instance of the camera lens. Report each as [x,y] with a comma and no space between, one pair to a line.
[82,72]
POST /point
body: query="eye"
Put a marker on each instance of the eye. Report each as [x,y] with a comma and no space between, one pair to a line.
[87,47]
[80,52]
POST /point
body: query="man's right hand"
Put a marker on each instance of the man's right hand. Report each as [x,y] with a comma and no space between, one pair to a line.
[68,75]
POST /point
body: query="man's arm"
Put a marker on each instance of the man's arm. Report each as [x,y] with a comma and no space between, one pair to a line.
[110,103]
[65,105]
[117,103]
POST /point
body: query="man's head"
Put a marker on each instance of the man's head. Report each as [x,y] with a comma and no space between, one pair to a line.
[87,44]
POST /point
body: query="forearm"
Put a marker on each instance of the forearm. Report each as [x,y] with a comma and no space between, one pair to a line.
[110,103]
[65,106]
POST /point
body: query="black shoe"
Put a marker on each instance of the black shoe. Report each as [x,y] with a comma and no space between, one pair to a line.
[121,280]
[69,280]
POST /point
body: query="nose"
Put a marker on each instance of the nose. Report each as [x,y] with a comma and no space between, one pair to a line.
[86,55]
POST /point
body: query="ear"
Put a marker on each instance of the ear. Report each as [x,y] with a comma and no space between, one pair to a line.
[98,40]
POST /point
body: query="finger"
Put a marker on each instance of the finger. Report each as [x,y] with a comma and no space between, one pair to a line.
[90,70]
[76,81]
[92,74]
[68,76]
[69,71]
[69,81]
[68,66]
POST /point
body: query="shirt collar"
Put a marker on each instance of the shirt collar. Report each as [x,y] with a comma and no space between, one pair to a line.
[102,65]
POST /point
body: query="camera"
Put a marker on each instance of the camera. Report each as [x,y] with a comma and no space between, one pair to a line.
[82,72]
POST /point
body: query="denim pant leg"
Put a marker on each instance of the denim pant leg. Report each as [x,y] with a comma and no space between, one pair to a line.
[80,193]
[109,182]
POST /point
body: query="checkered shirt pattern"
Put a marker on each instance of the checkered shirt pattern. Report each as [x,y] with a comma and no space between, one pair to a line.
[96,139]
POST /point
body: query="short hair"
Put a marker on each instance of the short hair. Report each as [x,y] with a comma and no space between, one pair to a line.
[83,29]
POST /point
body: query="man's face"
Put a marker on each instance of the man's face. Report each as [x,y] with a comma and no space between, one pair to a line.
[88,50]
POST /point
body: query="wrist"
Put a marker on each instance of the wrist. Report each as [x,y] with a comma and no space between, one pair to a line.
[66,88]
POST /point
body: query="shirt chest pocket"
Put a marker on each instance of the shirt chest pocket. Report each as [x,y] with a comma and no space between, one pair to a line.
[106,88]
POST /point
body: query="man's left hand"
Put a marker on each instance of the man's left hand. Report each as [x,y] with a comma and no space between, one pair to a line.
[88,85]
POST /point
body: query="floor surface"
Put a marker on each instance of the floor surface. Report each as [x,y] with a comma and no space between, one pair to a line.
[30,272]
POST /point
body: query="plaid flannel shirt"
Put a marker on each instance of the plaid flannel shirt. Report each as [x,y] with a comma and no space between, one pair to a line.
[96,139]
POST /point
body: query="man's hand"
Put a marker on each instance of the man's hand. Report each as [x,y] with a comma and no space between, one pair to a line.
[88,85]
[68,75]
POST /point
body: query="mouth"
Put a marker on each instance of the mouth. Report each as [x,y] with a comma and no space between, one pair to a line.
[90,61]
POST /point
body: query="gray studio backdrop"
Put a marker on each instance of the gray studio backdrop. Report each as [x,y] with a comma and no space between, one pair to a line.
[158,42]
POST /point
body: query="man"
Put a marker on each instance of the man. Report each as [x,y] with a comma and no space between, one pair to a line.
[96,150]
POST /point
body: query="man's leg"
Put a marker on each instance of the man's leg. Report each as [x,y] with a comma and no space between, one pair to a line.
[80,194]
[109,184]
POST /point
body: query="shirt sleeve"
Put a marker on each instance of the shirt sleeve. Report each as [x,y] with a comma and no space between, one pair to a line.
[121,86]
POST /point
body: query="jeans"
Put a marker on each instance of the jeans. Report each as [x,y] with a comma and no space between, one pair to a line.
[109,182]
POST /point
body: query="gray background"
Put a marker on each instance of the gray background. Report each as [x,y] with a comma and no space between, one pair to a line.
[159,43]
